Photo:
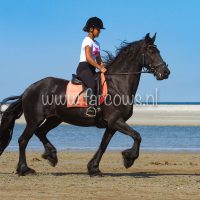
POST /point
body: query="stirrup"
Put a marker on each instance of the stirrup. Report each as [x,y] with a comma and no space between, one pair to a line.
[92,109]
[98,109]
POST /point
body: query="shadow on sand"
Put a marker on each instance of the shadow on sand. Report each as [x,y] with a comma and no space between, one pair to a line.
[133,174]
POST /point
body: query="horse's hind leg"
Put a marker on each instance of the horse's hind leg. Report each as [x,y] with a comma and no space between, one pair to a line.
[22,167]
[50,151]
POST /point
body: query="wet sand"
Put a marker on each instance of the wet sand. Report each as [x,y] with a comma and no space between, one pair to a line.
[154,175]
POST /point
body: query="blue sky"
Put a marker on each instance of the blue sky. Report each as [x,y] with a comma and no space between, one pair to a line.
[40,38]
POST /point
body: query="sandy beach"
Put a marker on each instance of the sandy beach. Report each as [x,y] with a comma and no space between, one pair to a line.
[154,176]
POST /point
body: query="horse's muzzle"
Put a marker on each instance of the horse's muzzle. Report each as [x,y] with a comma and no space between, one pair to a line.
[162,73]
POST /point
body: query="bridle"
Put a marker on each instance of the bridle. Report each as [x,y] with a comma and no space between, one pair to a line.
[146,68]
[152,68]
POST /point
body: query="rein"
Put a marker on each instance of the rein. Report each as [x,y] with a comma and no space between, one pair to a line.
[132,73]
[151,69]
[128,73]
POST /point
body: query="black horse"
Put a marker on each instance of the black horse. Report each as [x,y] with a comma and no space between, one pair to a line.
[123,76]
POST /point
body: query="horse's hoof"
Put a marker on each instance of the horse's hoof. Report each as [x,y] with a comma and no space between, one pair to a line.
[53,160]
[128,161]
[25,171]
[44,155]
[96,173]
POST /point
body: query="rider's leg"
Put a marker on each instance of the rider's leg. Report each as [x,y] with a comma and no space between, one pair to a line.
[86,73]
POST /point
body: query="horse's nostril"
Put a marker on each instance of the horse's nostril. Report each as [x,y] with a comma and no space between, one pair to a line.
[166,72]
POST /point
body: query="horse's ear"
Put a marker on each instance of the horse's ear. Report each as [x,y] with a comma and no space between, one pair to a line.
[153,38]
[147,38]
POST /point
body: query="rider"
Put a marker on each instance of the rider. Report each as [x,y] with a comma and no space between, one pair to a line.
[90,59]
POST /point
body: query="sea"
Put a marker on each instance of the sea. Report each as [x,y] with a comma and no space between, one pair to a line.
[154,138]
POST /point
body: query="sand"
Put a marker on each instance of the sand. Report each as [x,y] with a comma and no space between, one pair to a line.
[154,176]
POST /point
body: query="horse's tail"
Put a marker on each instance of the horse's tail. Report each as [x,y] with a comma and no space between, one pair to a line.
[13,112]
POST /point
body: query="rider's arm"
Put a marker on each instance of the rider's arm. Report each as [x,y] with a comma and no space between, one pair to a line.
[89,57]
[99,60]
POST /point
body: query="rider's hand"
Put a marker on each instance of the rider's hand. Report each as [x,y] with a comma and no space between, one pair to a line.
[102,65]
[103,69]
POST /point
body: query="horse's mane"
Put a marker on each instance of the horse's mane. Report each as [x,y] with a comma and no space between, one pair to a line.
[125,49]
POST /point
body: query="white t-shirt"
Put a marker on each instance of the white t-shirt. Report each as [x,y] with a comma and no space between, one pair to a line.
[95,48]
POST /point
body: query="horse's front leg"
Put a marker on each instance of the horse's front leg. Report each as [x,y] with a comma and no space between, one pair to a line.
[129,155]
[93,165]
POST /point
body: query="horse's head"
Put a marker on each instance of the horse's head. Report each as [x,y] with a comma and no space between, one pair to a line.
[152,60]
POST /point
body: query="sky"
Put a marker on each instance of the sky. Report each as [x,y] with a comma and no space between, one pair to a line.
[40,38]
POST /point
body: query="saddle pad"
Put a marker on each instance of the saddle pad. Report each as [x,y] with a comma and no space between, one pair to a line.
[74,94]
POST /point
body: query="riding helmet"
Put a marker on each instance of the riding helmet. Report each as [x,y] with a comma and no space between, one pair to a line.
[93,22]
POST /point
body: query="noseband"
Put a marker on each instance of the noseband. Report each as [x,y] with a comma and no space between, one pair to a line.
[152,68]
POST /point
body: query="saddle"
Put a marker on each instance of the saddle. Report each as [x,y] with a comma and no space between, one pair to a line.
[76,90]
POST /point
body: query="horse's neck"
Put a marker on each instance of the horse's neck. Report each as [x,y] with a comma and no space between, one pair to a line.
[126,84]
